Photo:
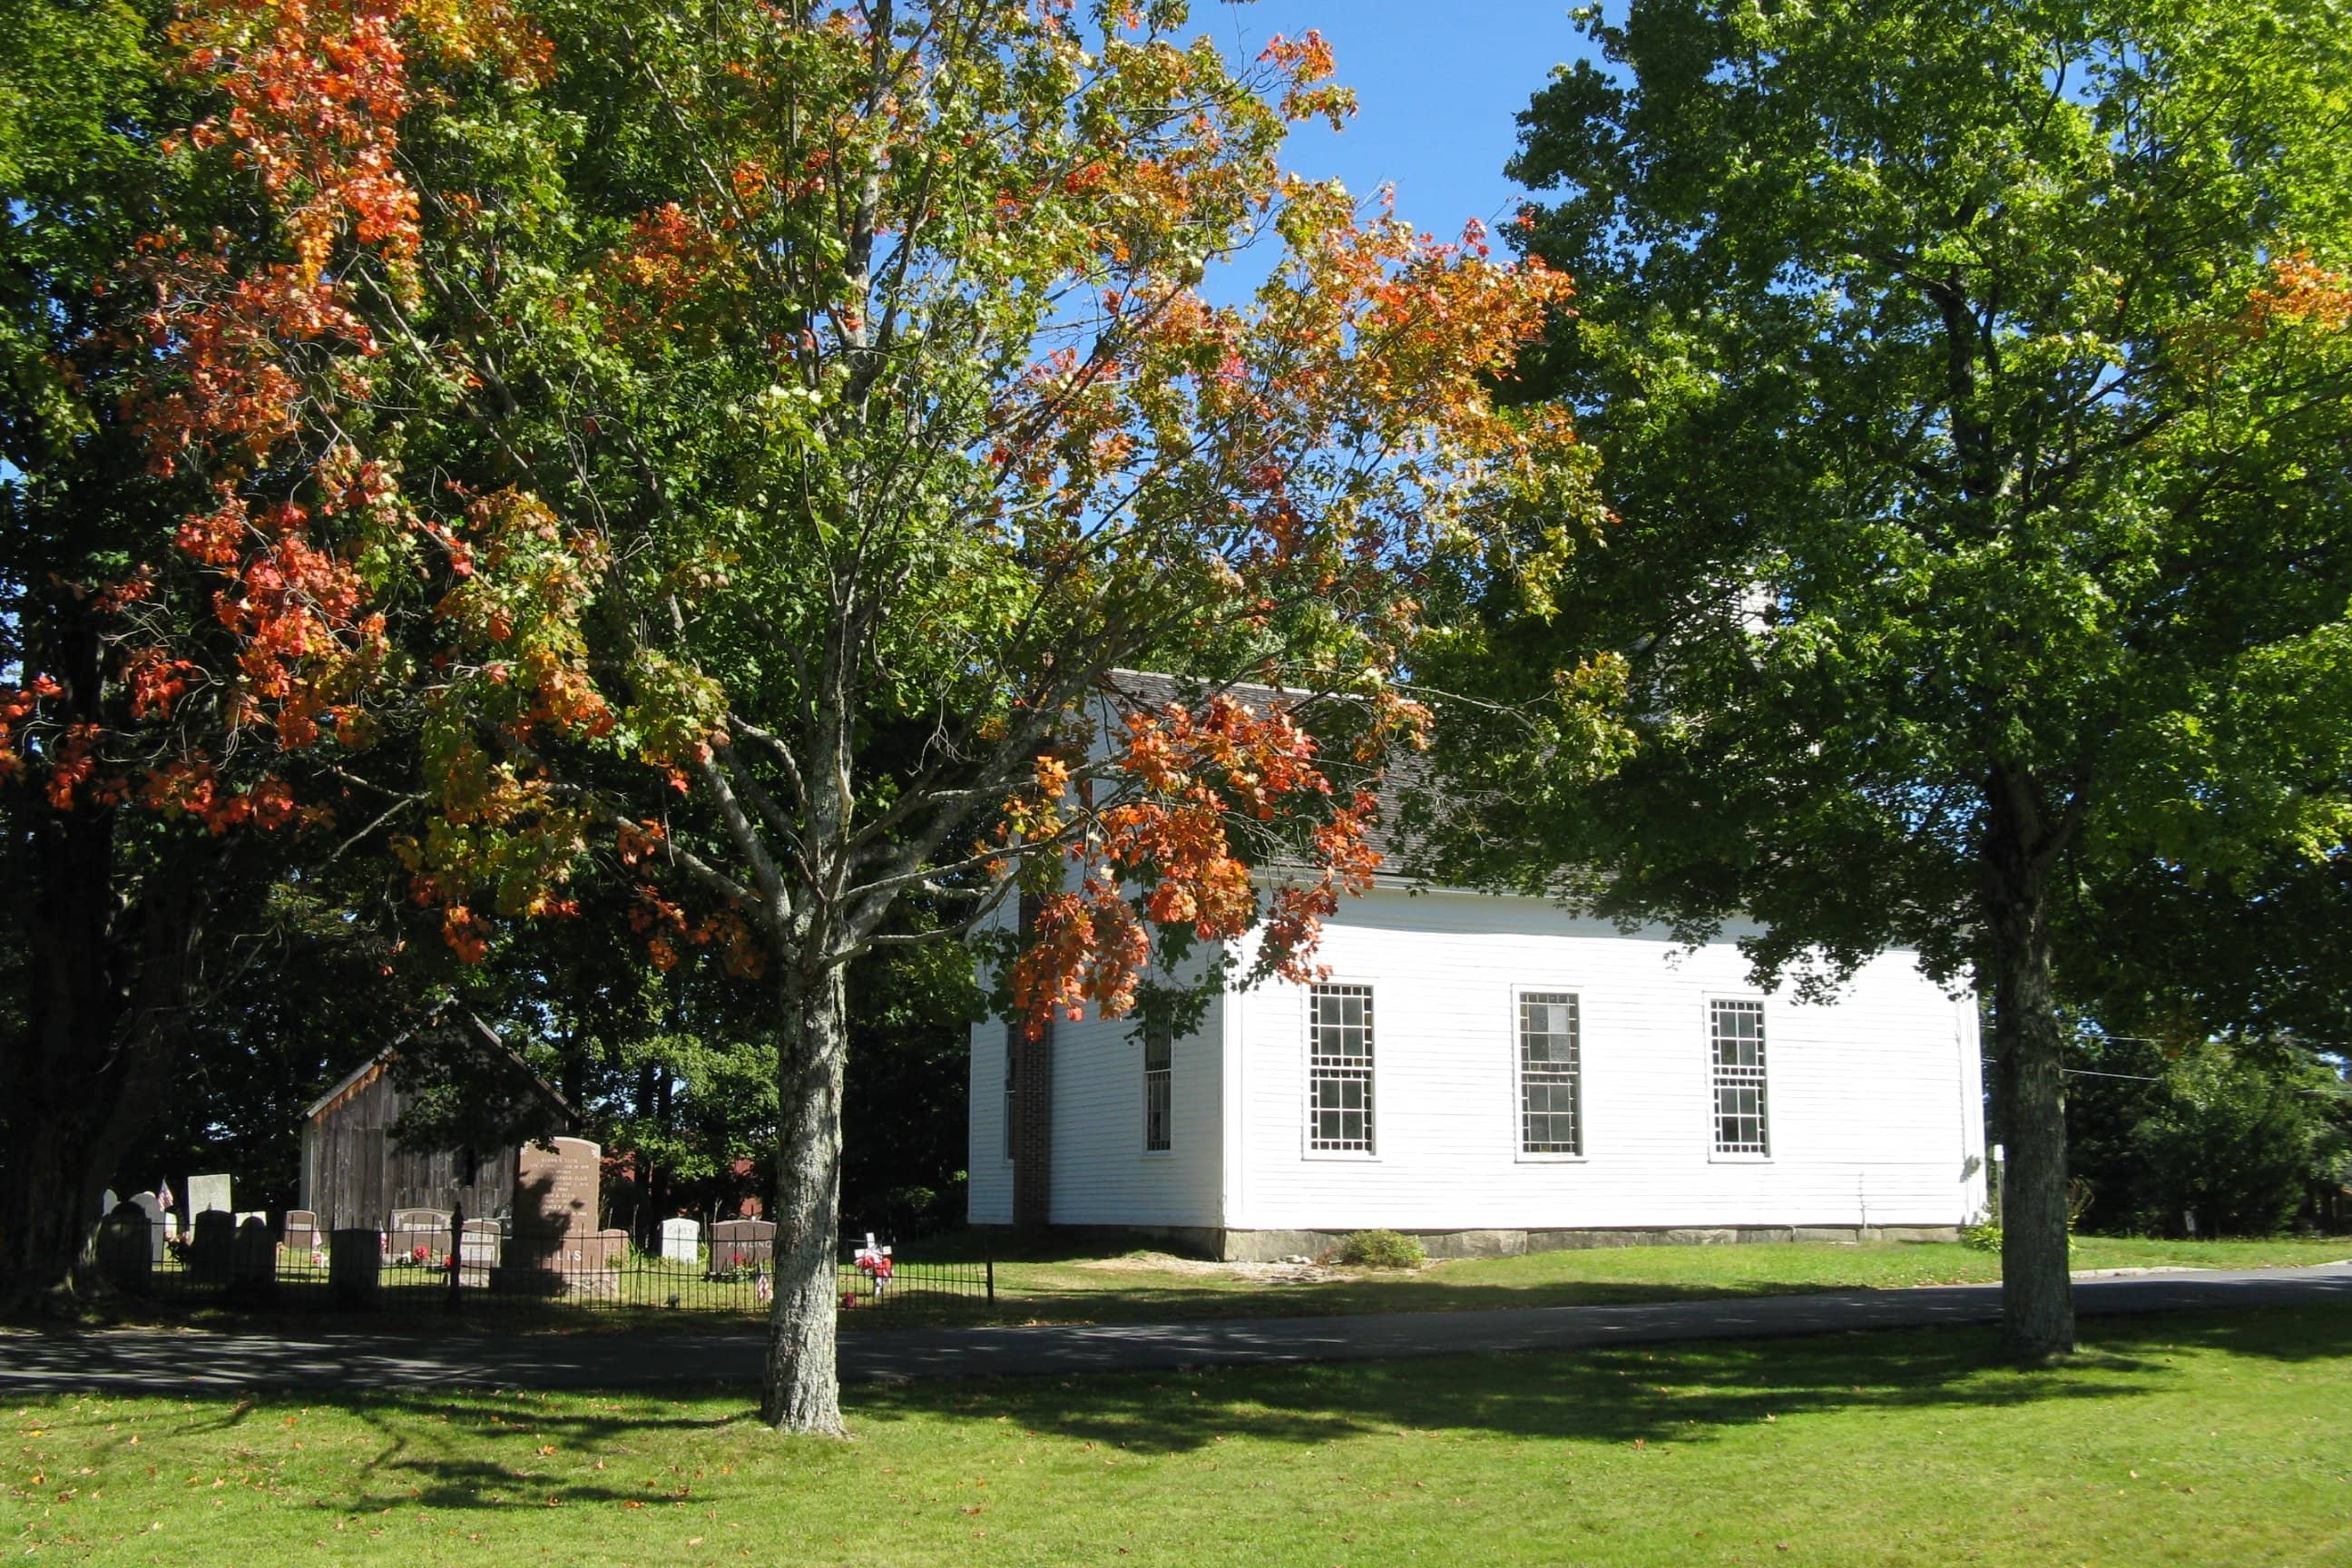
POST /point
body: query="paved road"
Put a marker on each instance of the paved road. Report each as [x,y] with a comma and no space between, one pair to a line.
[138,1361]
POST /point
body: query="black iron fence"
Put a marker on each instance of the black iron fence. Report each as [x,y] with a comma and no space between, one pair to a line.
[480,1267]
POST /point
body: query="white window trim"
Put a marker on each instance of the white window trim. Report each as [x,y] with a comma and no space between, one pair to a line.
[1716,1156]
[1143,1100]
[1517,1125]
[1307,1150]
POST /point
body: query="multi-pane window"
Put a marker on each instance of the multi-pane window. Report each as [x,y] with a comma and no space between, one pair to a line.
[1011,1089]
[1159,1086]
[1738,1028]
[1549,1068]
[1339,1070]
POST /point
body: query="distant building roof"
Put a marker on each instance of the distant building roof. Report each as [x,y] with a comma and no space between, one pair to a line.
[485,1038]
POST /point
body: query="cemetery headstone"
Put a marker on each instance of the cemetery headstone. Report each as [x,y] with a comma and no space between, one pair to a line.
[354,1267]
[126,1243]
[253,1260]
[156,1231]
[599,1271]
[108,1202]
[208,1254]
[303,1230]
[479,1247]
[208,1193]
[413,1228]
[681,1241]
[740,1244]
[558,1193]
[557,1190]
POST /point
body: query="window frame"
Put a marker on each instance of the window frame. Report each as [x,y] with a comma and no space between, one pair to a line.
[1309,1148]
[1717,1153]
[1516,1042]
[1007,1099]
[1167,1075]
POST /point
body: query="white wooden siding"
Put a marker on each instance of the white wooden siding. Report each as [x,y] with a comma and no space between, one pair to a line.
[1102,1175]
[988,1178]
[1875,1100]
[1871,1099]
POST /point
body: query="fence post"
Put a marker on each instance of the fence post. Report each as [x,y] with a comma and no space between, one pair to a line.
[988,1256]
[457,1250]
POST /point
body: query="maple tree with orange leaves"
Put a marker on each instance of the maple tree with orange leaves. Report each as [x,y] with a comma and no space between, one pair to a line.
[744,457]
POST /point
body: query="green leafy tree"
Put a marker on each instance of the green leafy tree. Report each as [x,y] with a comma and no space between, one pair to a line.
[785,420]
[1970,383]
[2241,1134]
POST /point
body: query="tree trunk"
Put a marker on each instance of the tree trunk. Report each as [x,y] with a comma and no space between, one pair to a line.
[2037,1290]
[105,997]
[804,1383]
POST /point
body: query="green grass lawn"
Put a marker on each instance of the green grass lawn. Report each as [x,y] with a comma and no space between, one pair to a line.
[2192,1440]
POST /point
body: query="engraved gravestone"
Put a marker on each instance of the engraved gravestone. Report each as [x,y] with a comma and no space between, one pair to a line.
[354,1267]
[303,1230]
[153,1210]
[556,1211]
[126,1242]
[253,1260]
[557,1189]
[208,1254]
[209,1193]
[743,1244]
[681,1241]
[415,1228]
[479,1247]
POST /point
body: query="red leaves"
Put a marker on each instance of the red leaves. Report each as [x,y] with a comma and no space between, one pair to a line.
[1167,854]
[468,934]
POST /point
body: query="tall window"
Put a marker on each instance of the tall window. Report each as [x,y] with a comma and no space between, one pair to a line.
[1549,1069]
[1339,1068]
[1159,1086]
[1739,1121]
[1012,1087]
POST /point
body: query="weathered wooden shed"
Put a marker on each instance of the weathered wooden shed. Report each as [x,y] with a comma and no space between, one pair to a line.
[356,1173]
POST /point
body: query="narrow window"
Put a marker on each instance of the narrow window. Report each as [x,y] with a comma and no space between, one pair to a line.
[1012,1088]
[1739,1124]
[1339,1068]
[1159,1086]
[1550,1074]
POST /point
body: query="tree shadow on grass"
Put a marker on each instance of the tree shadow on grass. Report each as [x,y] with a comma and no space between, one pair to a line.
[1619,1394]
[436,1451]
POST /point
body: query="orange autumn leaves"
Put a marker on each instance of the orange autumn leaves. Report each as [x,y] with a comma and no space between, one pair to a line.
[238,370]
[2300,290]
[1169,852]
[1290,451]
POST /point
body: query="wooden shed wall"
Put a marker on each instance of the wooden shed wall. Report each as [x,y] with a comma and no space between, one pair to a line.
[354,1174]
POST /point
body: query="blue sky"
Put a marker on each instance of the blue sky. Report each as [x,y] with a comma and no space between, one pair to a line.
[1439,84]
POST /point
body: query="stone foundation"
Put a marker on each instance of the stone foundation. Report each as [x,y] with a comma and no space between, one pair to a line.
[1267,1246]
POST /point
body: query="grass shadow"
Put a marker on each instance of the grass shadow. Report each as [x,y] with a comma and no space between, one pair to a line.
[1614,1395]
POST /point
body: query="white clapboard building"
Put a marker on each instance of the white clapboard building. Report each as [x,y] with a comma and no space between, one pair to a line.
[1494,1074]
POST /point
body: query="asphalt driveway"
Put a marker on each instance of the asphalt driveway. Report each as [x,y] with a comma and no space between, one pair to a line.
[166,1362]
